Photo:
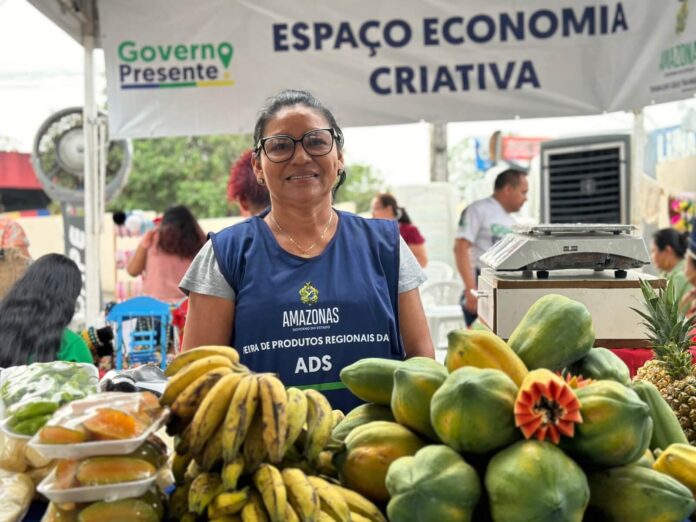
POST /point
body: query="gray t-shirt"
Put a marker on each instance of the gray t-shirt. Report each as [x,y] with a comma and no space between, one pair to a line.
[204,275]
[483,223]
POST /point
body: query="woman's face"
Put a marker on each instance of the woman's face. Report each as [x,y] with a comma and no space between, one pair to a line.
[380,211]
[690,270]
[302,178]
[658,256]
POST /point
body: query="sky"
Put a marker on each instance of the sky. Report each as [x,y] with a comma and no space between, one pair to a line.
[41,72]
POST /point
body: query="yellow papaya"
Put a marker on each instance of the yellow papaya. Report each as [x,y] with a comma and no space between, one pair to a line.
[679,461]
[410,403]
[369,450]
[483,349]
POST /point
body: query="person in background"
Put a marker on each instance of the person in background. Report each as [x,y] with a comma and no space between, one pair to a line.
[304,290]
[165,253]
[482,224]
[667,251]
[384,206]
[242,187]
[688,302]
[12,234]
[35,313]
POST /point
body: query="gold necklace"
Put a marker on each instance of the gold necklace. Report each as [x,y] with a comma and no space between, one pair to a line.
[305,251]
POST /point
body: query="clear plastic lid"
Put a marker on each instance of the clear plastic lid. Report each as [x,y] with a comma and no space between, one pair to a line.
[112,423]
[48,488]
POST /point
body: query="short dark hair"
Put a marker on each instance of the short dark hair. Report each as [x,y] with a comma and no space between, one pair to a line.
[242,183]
[387,200]
[510,177]
[289,98]
[669,237]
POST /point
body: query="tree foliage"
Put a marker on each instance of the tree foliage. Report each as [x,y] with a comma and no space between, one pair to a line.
[194,172]
[190,171]
[362,183]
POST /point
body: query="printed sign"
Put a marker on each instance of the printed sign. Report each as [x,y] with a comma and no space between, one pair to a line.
[176,68]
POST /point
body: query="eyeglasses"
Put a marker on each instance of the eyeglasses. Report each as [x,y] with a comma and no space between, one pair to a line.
[280,148]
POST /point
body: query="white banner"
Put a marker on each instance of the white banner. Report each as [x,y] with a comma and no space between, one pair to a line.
[176,67]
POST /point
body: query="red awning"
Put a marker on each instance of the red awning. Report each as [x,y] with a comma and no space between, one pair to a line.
[16,172]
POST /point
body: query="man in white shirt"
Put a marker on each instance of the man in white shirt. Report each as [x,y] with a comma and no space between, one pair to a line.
[482,224]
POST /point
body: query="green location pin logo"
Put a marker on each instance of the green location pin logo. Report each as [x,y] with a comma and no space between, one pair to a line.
[225,52]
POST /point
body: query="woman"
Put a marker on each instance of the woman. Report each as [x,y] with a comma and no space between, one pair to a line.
[688,302]
[35,313]
[242,187]
[304,290]
[667,252]
[165,253]
[384,207]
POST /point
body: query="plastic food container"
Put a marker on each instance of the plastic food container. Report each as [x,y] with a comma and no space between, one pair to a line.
[11,434]
[108,492]
[74,414]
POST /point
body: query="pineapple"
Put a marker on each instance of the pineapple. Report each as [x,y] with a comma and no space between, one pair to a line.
[672,369]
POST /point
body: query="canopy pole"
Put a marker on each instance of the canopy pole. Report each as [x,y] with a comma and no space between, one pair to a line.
[636,173]
[91,181]
[438,152]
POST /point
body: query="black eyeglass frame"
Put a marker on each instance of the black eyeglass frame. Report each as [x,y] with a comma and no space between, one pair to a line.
[261,144]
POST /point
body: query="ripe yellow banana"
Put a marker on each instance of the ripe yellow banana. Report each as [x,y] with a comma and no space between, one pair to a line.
[360,505]
[269,483]
[338,416]
[212,451]
[204,488]
[290,515]
[324,464]
[183,441]
[185,358]
[212,410]
[319,424]
[179,382]
[231,472]
[186,404]
[301,494]
[240,413]
[331,500]
[325,517]
[274,405]
[254,511]
[179,465]
[226,518]
[297,416]
[357,517]
[254,448]
[228,503]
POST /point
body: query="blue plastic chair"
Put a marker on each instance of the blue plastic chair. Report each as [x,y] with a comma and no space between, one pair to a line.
[140,308]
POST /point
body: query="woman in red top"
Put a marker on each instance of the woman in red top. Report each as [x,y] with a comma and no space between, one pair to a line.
[384,206]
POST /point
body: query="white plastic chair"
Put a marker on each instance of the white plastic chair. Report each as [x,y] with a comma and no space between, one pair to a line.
[442,309]
[438,271]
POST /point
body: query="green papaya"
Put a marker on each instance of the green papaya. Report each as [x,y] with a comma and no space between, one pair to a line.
[666,427]
[413,391]
[600,364]
[434,484]
[372,379]
[361,415]
[637,494]
[554,333]
[473,410]
[536,481]
[616,426]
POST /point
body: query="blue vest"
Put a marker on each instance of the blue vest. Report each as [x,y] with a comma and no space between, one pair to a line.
[306,319]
